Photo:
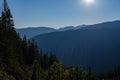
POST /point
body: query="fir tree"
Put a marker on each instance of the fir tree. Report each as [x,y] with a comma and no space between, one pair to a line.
[38,72]
[56,72]
[6,18]
[52,59]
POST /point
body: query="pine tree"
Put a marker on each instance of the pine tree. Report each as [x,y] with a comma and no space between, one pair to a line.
[52,59]
[79,73]
[6,23]
[45,61]
[1,41]
[38,72]
[10,53]
[24,47]
[33,52]
[56,72]
[6,18]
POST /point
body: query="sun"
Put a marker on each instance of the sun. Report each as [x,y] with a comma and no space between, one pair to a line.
[89,1]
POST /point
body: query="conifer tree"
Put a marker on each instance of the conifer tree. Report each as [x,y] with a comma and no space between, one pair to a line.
[1,44]
[45,61]
[10,52]
[52,59]
[33,52]
[79,73]
[56,72]
[38,72]
[6,17]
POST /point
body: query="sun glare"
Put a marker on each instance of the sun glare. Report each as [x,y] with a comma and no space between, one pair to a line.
[89,1]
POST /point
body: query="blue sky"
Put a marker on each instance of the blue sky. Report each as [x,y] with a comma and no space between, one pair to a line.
[60,13]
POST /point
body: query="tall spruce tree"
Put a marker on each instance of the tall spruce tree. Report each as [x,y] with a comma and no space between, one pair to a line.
[56,72]
[10,51]
[6,18]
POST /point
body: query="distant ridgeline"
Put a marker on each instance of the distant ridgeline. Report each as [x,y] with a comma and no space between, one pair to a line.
[21,59]
[97,46]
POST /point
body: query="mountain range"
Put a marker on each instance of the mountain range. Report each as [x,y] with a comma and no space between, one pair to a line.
[34,31]
[96,46]
[31,31]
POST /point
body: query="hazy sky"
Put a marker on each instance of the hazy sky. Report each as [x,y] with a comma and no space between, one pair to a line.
[60,13]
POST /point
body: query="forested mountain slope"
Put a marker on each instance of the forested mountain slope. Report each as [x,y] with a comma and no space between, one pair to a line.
[96,45]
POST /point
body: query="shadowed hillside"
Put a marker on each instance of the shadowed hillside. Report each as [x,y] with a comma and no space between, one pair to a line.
[96,45]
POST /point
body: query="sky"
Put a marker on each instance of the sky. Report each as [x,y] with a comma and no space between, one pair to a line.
[61,13]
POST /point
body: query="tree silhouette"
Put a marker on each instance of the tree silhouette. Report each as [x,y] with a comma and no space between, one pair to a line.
[6,17]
